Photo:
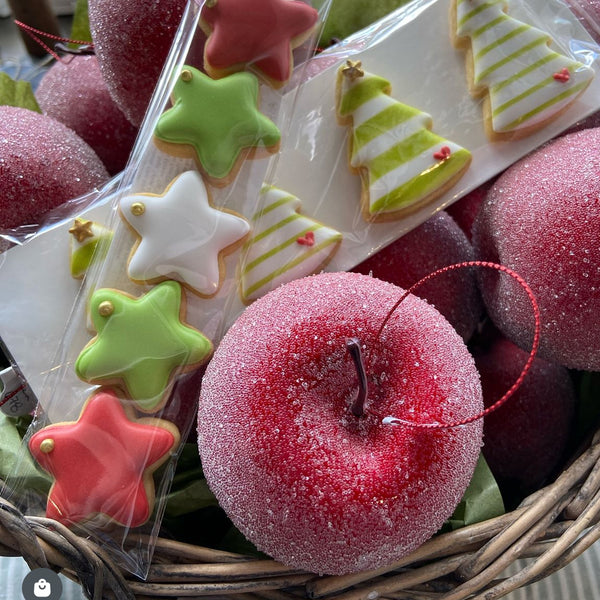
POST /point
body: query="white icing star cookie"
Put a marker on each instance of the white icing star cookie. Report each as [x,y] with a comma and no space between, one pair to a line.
[181,236]
[285,245]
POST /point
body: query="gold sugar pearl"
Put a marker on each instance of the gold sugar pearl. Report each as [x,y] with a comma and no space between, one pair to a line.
[210,3]
[106,308]
[138,208]
[47,445]
[186,75]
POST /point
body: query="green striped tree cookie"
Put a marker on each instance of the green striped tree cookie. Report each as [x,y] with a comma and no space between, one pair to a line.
[403,164]
[285,245]
[525,83]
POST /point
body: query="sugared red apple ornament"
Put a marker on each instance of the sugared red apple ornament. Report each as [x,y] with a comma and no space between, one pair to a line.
[588,13]
[308,472]
[73,92]
[434,244]
[541,219]
[464,211]
[525,438]
[43,164]
[132,41]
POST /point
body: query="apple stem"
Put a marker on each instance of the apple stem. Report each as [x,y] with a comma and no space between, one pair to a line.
[358,406]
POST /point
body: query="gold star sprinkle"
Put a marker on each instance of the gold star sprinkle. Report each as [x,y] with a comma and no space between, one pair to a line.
[82,230]
[353,70]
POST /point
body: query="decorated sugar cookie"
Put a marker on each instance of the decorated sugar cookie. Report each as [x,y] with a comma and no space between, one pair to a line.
[102,464]
[403,165]
[526,84]
[181,236]
[285,245]
[141,343]
[89,243]
[256,33]
[216,122]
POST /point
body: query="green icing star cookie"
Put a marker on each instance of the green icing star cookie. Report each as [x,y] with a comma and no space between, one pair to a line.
[141,343]
[217,122]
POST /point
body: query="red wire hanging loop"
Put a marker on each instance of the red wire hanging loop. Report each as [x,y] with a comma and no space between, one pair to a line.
[534,347]
[37,35]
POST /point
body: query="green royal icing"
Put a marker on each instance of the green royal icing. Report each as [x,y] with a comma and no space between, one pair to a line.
[402,138]
[217,118]
[141,343]
[83,257]
[514,61]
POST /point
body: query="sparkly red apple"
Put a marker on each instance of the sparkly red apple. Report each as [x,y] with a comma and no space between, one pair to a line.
[588,13]
[434,244]
[132,41]
[43,164]
[73,92]
[541,218]
[464,211]
[310,474]
[526,437]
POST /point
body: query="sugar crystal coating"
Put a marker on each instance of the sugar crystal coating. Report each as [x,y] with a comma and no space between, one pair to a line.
[43,164]
[303,479]
[526,437]
[75,94]
[588,13]
[436,243]
[541,218]
[132,41]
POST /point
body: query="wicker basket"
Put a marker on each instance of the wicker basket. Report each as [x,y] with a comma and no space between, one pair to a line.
[550,528]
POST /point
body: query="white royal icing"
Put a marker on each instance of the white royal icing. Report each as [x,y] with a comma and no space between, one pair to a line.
[380,126]
[514,62]
[274,255]
[182,236]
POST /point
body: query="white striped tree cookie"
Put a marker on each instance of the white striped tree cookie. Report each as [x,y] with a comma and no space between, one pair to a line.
[524,82]
[402,163]
[285,245]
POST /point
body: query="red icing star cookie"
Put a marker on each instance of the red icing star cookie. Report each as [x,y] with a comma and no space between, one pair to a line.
[102,464]
[256,33]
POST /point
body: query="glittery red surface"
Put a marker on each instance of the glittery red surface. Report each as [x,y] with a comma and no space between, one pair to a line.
[436,243]
[132,41]
[526,437]
[74,93]
[43,164]
[541,219]
[307,482]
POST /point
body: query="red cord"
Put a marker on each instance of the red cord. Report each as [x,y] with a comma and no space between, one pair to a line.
[36,35]
[534,347]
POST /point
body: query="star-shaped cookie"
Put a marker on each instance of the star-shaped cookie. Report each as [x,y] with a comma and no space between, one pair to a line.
[216,122]
[141,343]
[256,33]
[102,464]
[181,236]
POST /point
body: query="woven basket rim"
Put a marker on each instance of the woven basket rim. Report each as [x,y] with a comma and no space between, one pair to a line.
[551,527]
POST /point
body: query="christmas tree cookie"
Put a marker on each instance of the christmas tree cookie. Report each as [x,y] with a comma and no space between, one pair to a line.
[525,84]
[402,163]
[285,245]
[89,243]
